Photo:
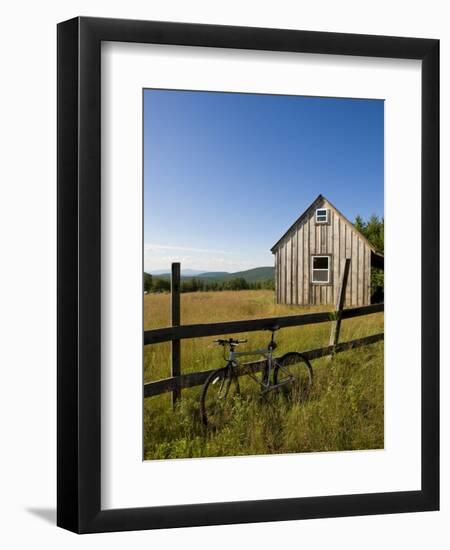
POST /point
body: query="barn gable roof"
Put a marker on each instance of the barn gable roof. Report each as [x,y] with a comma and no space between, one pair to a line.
[306,213]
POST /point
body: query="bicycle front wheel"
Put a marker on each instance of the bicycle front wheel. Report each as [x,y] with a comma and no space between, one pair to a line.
[218,398]
[294,376]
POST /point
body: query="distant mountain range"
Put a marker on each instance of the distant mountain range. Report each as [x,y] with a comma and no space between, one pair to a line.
[255,275]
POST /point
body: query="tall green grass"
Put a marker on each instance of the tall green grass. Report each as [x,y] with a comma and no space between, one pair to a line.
[344,412]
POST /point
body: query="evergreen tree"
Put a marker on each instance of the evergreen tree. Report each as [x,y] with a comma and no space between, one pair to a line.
[359,224]
[160,285]
[148,282]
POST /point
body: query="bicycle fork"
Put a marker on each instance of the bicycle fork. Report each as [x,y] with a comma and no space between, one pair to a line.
[225,382]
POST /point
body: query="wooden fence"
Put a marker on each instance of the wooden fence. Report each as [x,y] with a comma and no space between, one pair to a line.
[177,332]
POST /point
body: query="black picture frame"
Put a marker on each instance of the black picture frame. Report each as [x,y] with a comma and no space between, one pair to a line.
[79,281]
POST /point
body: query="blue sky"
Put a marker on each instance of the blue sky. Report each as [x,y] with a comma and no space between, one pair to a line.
[226,174]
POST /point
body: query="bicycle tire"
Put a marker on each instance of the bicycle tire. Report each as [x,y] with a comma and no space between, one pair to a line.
[216,410]
[296,365]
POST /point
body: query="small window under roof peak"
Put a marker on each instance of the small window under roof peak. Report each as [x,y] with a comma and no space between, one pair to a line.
[322,215]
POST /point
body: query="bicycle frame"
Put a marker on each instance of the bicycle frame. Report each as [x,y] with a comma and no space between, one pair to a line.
[267,353]
[272,366]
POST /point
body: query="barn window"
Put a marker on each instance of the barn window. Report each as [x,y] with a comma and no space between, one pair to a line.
[322,215]
[320,269]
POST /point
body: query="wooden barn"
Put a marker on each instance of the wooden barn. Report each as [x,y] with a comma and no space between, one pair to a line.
[310,256]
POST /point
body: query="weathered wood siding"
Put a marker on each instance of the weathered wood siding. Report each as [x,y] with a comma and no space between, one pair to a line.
[337,239]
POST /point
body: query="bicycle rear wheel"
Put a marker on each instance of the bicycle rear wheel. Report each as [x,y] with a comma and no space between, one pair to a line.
[295,375]
[217,398]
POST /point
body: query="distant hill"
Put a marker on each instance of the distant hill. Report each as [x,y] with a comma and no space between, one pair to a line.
[212,275]
[255,275]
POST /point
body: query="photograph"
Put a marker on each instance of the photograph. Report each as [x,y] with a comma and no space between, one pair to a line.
[268,207]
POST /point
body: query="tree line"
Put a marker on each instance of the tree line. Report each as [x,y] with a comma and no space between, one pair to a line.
[195,284]
[373,230]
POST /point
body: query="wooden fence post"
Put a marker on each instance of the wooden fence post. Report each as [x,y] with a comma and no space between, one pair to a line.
[175,321]
[340,300]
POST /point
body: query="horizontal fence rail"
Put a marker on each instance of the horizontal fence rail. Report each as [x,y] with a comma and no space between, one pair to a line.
[167,334]
[198,378]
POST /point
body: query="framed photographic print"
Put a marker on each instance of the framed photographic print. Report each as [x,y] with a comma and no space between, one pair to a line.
[248,289]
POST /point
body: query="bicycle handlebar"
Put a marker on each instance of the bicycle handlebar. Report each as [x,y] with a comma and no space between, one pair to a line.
[229,341]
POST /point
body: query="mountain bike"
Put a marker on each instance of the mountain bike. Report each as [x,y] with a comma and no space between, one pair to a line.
[290,375]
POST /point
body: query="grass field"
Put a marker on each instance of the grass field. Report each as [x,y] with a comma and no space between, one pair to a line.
[344,412]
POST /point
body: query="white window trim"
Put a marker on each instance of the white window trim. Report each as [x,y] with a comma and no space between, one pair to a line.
[327,210]
[328,270]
